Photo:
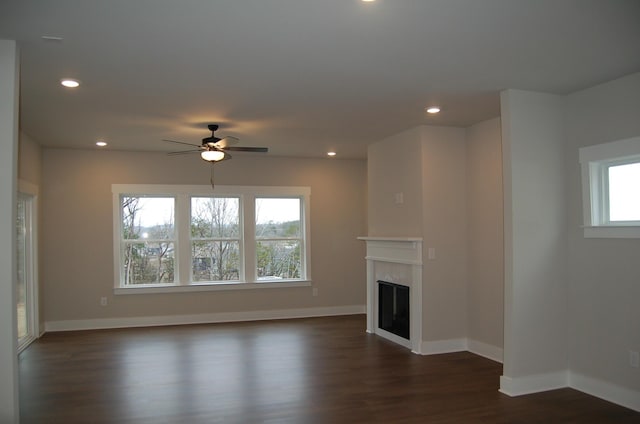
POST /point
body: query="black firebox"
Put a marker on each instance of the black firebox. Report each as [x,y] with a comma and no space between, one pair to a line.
[393,308]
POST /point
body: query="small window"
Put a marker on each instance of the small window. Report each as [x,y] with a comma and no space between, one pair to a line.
[611,189]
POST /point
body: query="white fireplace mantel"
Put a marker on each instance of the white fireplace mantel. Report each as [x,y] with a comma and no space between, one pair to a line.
[398,260]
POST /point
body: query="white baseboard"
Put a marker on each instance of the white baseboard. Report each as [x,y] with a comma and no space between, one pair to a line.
[443,346]
[485,350]
[488,351]
[610,392]
[533,383]
[104,323]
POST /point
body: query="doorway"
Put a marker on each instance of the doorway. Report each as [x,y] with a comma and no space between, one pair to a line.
[26,275]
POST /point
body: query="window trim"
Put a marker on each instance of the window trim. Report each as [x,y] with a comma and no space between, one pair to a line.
[183,193]
[595,162]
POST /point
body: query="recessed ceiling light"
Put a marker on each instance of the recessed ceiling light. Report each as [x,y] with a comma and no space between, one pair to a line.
[70,82]
[334,153]
[101,143]
[433,109]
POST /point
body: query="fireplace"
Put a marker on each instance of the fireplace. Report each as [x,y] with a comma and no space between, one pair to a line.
[394,289]
[393,308]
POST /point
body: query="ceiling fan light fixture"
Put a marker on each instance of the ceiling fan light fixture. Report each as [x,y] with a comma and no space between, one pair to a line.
[212,155]
[70,82]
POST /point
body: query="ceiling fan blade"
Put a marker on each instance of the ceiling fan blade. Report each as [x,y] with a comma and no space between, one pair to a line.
[182,142]
[184,152]
[226,141]
[248,149]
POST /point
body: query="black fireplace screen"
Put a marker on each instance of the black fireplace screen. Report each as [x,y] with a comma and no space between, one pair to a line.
[393,308]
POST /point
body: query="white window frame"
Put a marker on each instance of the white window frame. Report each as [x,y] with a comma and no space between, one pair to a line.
[595,162]
[301,238]
[182,237]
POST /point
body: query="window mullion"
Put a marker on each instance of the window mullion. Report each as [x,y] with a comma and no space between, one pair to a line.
[183,239]
[249,230]
[604,202]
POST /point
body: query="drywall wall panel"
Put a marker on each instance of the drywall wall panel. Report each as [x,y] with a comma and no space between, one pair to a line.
[485,288]
[9,410]
[395,184]
[444,230]
[535,335]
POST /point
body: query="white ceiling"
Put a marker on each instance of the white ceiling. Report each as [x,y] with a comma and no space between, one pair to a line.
[299,76]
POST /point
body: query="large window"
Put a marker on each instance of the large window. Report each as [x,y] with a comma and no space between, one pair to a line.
[611,189]
[180,238]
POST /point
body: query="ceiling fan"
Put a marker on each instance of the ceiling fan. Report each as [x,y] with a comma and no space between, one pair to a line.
[214,149]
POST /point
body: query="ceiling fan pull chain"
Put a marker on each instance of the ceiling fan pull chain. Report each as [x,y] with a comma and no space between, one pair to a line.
[211,179]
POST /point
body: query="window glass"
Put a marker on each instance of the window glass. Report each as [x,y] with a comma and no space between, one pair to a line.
[278,259]
[215,217]
[277,217]
[624,192]
[147,217]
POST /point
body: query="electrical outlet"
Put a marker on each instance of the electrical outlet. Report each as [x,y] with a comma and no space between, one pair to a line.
[314,292]
[103,301]
[634,358]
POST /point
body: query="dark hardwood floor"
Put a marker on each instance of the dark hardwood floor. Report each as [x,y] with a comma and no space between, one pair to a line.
[317,370]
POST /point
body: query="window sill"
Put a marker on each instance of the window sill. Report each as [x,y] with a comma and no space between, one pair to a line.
[211,287]
[612,232]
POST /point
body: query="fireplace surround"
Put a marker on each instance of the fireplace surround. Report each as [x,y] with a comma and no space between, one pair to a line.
[396,260]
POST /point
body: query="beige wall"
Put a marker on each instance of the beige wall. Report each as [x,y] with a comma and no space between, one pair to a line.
[394,168]
[485,225]
[444,223]
[77,263]
[29,160]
